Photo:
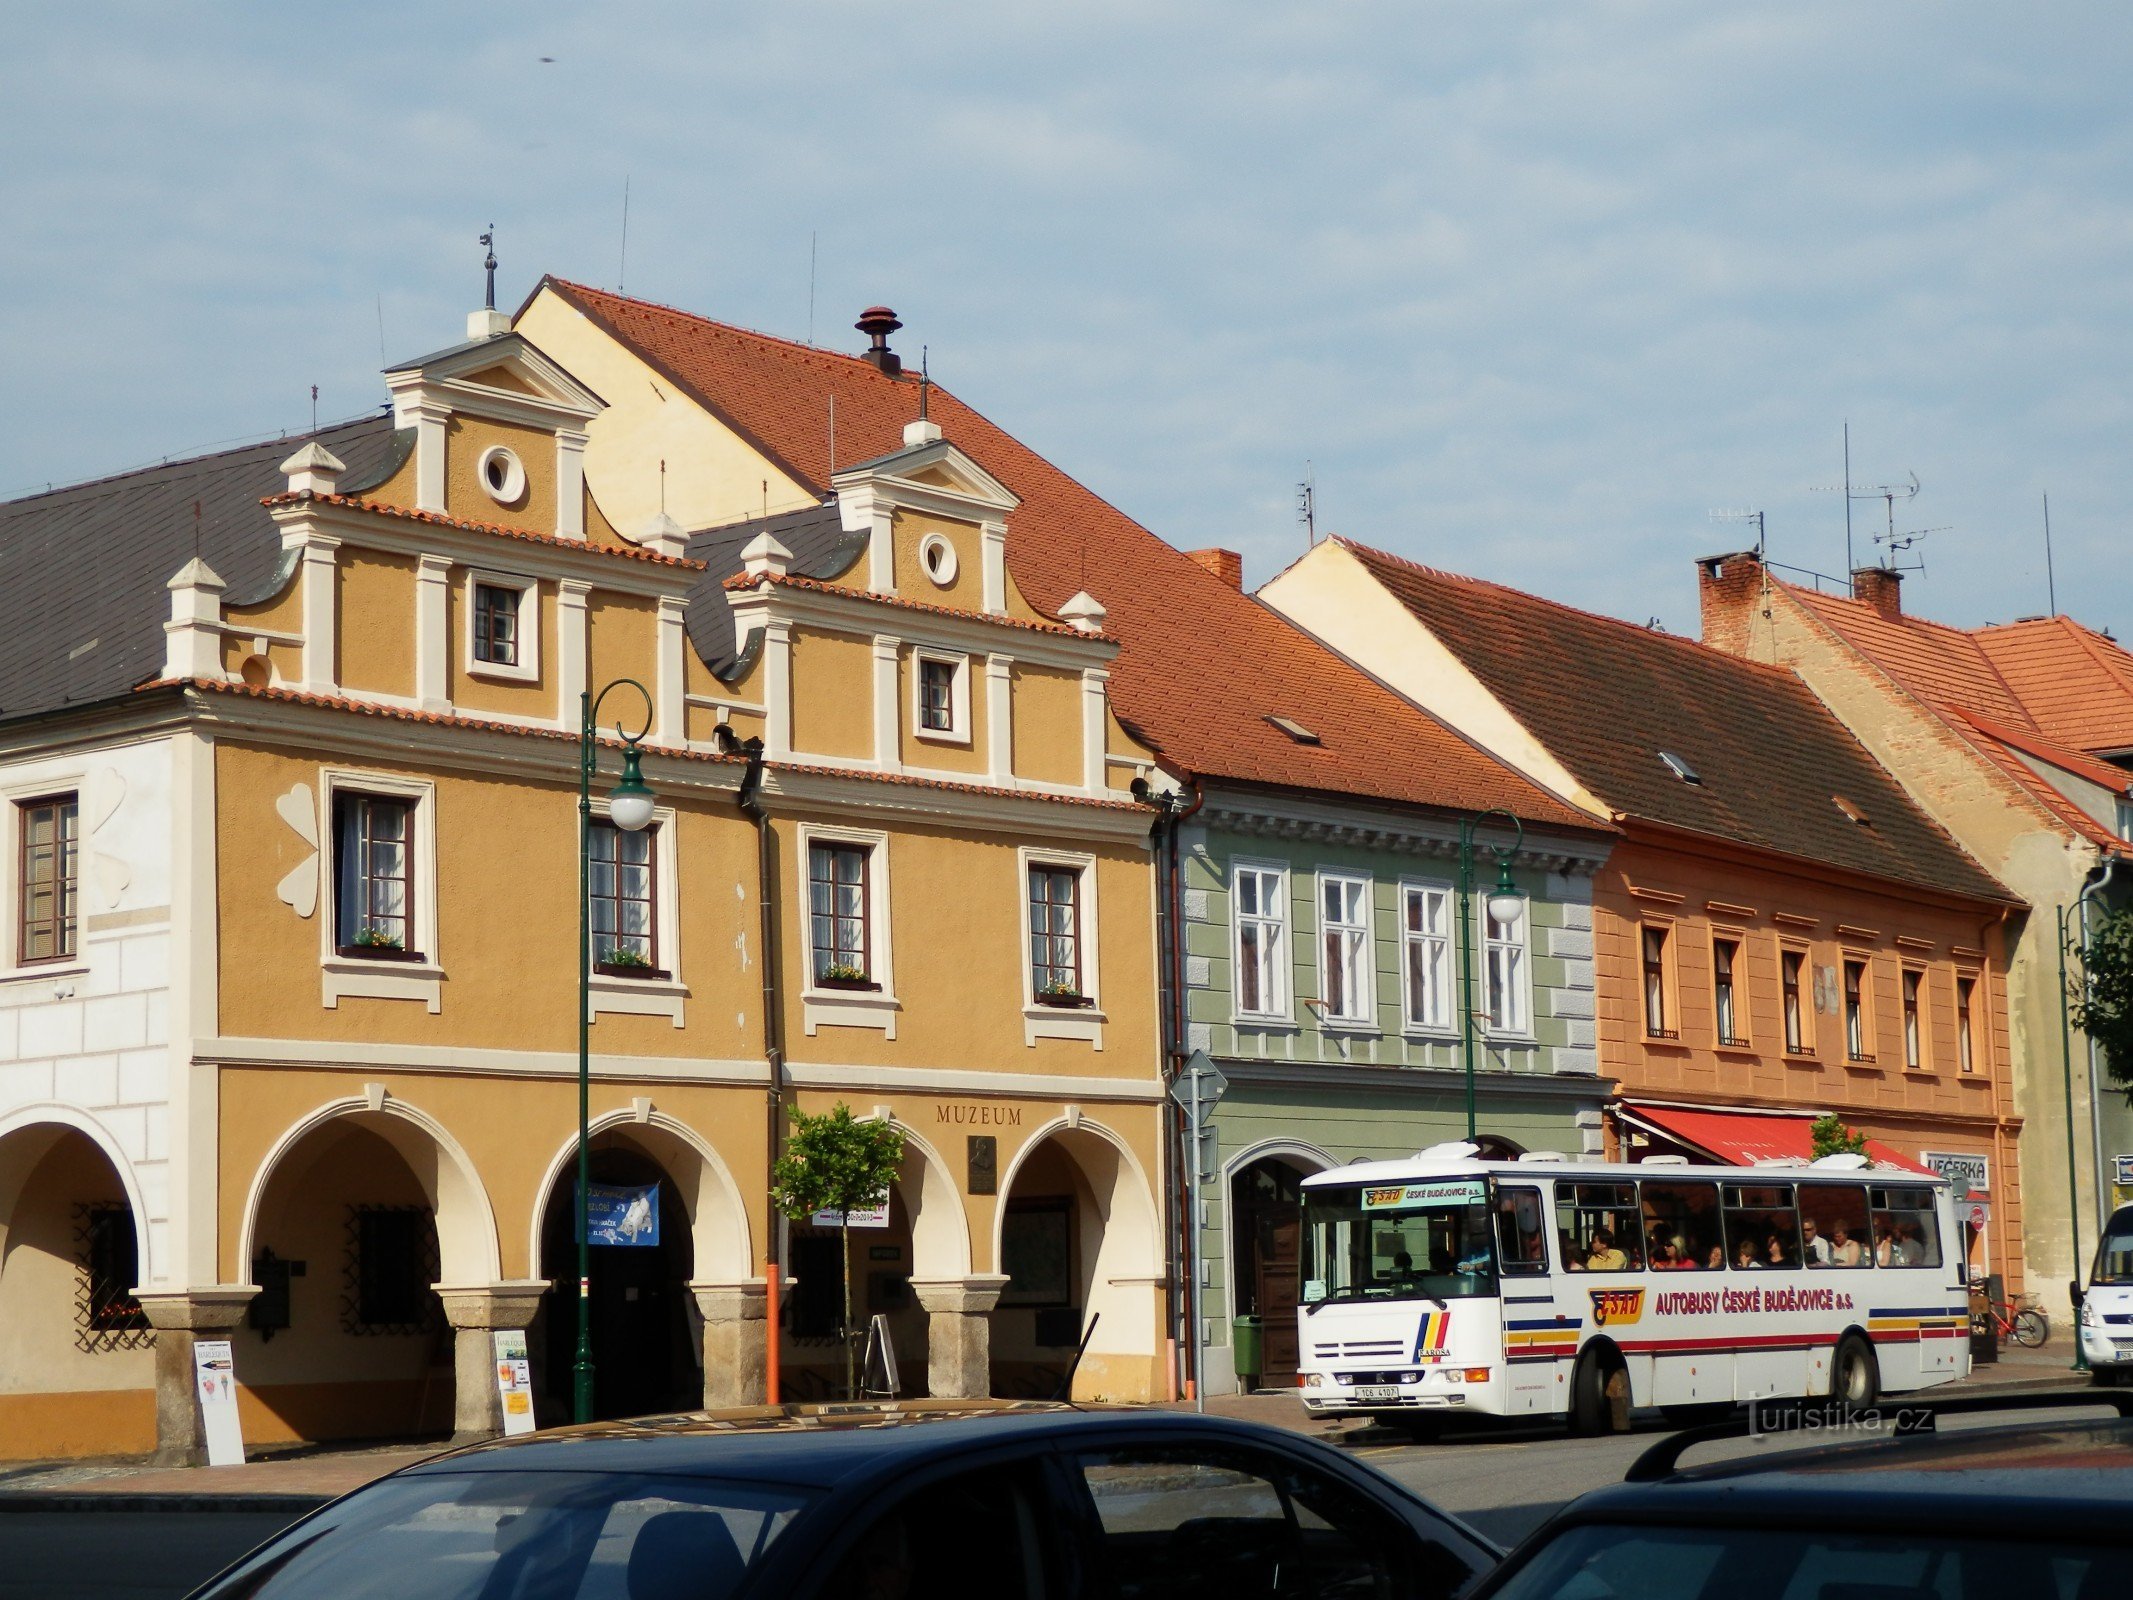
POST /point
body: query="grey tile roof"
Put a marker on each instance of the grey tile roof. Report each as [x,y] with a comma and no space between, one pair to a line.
[83,569]
[820,548]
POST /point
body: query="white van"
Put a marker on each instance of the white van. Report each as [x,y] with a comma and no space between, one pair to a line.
[2107,1308]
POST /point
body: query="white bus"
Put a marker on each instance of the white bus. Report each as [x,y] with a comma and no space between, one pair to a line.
[1543,1286]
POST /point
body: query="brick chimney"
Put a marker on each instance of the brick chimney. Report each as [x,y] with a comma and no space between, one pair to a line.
[1881,588]
[1227,565]
[1729,589]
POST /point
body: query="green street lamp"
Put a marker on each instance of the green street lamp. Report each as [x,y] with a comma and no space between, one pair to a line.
[2069,917]
[629,807]
[1505,906]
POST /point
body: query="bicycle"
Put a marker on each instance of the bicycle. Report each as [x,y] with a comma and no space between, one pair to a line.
[2026,1325]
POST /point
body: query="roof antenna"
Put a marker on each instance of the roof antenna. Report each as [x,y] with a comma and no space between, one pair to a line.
[662,486]
[811,290]
[1755,517]
[925,383]
[382,356]
[622,268]
[314,408]
[2051,588]
[833,436]
[488,241]
[1307,505]
[196,530]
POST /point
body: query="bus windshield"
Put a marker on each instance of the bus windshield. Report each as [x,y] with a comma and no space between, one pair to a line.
[1427,1240]
[2114,1256]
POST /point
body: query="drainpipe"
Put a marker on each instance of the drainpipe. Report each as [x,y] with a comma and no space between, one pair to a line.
[750,801]
[2103,1204]
[1170,967]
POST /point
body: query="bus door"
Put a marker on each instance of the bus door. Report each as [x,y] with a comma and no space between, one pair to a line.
[1538,1338]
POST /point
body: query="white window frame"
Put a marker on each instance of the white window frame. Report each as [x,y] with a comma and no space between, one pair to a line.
[1085,1023]
[13,794]
[528,667]
[958,731]
[1448,1022]
[651,997]
[1520,993]
[1359,942]
[344,976]
[1281,966]
[848,1008]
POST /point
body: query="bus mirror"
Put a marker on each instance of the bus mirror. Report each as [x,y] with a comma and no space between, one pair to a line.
[2073,1292]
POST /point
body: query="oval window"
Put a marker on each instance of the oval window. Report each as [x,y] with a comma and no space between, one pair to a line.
[501,475]
[937,556]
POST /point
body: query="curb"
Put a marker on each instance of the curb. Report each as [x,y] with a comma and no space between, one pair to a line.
[120,1503]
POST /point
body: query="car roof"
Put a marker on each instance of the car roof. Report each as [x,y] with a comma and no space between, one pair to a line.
[2068,1480]
[824,1445]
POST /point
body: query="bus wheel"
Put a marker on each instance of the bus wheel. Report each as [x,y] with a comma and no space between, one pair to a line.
[1592,1409]
[1855,1376]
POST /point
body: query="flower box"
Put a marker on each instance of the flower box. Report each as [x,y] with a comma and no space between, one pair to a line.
[1065,1001]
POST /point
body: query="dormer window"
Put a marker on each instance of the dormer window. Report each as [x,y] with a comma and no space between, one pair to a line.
[503,627]
[940,693]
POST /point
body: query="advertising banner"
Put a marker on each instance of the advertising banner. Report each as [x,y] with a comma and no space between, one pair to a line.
[215,1380]
[621,1214]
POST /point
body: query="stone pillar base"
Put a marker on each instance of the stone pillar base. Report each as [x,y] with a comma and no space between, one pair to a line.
[959,1334]
[477,1312]
[181,1317]
[735,1360]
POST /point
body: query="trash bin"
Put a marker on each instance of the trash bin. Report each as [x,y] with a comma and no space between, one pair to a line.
[1247,1341]
[1984,1340]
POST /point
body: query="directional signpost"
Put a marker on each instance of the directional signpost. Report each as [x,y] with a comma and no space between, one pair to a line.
[1197,1087]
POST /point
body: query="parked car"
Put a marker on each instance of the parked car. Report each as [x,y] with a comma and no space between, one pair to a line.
[2042,1508]
[2105,1323]
[1011,1502]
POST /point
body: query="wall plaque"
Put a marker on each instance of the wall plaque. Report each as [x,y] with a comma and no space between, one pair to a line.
[984,1163]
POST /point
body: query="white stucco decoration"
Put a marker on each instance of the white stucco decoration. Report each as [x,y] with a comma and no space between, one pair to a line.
[299,890]
[110,873]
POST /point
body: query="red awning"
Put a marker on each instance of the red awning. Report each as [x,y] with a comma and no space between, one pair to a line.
[1741,1138]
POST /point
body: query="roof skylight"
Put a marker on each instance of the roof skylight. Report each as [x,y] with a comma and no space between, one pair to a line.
[1294,729]
[1852,811]
[1679,768]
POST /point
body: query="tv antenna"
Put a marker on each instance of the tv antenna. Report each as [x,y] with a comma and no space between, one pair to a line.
[1887,493]
[1894,543]
[1307,505]
[1755,517]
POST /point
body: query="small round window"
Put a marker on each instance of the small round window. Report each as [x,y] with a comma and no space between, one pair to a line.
[937,556]
[501,475]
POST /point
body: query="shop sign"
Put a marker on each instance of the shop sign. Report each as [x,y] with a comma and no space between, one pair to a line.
[1966,1174]
[862,1217]
[2122,1169]
[514,1380]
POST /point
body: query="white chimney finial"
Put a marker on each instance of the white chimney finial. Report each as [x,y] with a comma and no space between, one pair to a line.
[313,470]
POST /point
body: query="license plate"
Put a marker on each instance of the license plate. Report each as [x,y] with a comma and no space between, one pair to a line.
[1377,1395]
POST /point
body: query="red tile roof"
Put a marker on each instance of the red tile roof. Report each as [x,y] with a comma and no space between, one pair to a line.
[1202,666]
[2076,683]
[1606,697]
[1957,674]
[356,502]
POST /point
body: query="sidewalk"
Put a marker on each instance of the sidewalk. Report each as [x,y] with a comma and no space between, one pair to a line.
[297,1478]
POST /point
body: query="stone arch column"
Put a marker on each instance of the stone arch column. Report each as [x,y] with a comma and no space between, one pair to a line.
[958,1302]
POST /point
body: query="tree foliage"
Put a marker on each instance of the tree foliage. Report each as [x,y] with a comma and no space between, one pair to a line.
[1832,1138]
[834,1162]
[2102,997]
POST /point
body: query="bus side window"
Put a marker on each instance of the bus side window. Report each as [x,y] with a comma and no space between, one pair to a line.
[1839,1213]
[1521,1246]
[1681,1223]
[1906,1233]
[1601,1227]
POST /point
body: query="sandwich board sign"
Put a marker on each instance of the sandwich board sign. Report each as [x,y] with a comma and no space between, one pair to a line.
[215,1381]
[514,1380]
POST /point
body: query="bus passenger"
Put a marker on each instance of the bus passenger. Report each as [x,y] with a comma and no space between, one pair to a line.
[1716,1259]
[1884,1246]
[1846,1251]
[1744,1256]
[1776,1252]
[1812,1244]
[1908,1252]
[1605,1257]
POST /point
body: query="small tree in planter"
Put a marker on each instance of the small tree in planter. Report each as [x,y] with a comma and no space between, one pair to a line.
[1832,1138]
[834,1162]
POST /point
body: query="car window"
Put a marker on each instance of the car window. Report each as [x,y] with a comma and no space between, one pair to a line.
[1188,1521]
[1704,1563]
[522,1536]
[983,1532]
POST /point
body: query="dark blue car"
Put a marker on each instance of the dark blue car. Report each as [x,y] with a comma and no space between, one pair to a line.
[877,1503]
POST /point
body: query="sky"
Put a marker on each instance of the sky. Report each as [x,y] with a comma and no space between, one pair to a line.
[1530,290]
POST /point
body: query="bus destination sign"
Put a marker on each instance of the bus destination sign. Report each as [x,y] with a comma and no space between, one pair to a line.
[1396,1196]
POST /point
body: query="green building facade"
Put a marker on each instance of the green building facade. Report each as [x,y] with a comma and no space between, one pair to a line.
[1322,978]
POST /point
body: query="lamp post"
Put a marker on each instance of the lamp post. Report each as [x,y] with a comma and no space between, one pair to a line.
[1506,905]
[2069,916]
[629,807]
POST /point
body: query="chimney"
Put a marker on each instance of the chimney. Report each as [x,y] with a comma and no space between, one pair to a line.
[877,323]
[1729,589]
[192,638]
[1084,613]
[313,470]
[1227,565]
[1881,588]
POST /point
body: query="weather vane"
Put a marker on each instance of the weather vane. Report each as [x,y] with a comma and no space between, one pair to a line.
[488,241]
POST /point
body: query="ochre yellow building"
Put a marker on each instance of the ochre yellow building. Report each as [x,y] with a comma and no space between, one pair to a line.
[339,787]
